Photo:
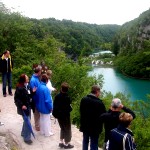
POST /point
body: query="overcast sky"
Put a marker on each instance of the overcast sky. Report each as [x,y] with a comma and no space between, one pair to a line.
[90,11]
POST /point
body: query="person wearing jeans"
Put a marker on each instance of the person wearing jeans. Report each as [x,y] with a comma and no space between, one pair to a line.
[6,66]
[7,76]
[22,100]
[91,107]
[26,133]
[93,139]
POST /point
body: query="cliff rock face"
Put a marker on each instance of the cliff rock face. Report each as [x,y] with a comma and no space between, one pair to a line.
[132,46]
[134,36]
[144,32]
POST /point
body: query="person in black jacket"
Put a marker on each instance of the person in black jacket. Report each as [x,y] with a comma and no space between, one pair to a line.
[61,111]
[6,66]
[91,107]
[22,99]
[111,118]
[121,138]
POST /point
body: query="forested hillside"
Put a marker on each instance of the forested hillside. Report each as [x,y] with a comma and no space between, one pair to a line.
[30,42]
[81,38]
[132,46]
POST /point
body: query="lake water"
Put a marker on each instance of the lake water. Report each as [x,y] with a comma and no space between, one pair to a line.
[116,82]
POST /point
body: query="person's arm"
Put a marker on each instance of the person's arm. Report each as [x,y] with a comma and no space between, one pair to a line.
[12,62]
[103,108]
[17,98]
[127,110]
[56,107]
[50,87]
[33,87]
[48,99]
[102,117]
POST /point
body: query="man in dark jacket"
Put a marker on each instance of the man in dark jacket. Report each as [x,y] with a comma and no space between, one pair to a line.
[6,66]
[91,107]
[111,118]
[61,111]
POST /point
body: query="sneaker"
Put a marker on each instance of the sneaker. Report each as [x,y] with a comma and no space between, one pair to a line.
[52,118]
[68,146]
[4,95]
[11,94]
[1,123]
[50,134]
[61,145]
[29,142]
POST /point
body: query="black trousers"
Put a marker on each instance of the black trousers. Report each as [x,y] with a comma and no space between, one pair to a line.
[65,126]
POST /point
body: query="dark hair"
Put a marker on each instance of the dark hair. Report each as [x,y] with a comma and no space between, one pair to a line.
[6,51]
[44,78]
[94,89]
[22,80]
[64,87]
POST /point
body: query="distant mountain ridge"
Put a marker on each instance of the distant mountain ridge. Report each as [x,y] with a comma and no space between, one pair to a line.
[132,47]
[80,38]
[133,33]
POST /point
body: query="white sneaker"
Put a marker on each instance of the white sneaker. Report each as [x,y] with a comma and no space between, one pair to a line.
[52,118]
[1,123]
[51,133]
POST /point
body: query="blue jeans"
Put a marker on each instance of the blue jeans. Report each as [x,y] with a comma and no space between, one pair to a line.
[93,141]
[7,77]
[26,132]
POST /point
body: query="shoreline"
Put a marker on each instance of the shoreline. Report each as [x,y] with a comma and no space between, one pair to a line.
[121,71]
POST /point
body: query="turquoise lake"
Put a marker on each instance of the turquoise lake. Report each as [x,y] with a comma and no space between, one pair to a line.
[117,82]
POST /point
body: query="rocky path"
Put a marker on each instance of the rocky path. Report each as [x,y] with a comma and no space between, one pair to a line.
[13,124]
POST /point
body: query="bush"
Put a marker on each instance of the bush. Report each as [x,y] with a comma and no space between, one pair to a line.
[18,71]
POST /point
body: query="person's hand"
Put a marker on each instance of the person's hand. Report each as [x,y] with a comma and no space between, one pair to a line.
[121,106]
[55,90]
[24,107]
[34,89]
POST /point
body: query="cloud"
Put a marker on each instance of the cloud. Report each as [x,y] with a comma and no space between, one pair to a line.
[90,11]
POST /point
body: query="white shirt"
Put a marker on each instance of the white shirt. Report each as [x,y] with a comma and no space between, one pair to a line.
[49,85]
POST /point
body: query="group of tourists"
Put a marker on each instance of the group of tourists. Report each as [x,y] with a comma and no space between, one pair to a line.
[93,116]
[36,95]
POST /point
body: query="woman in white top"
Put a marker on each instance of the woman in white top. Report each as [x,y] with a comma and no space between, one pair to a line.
[49,84]
[50,87]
